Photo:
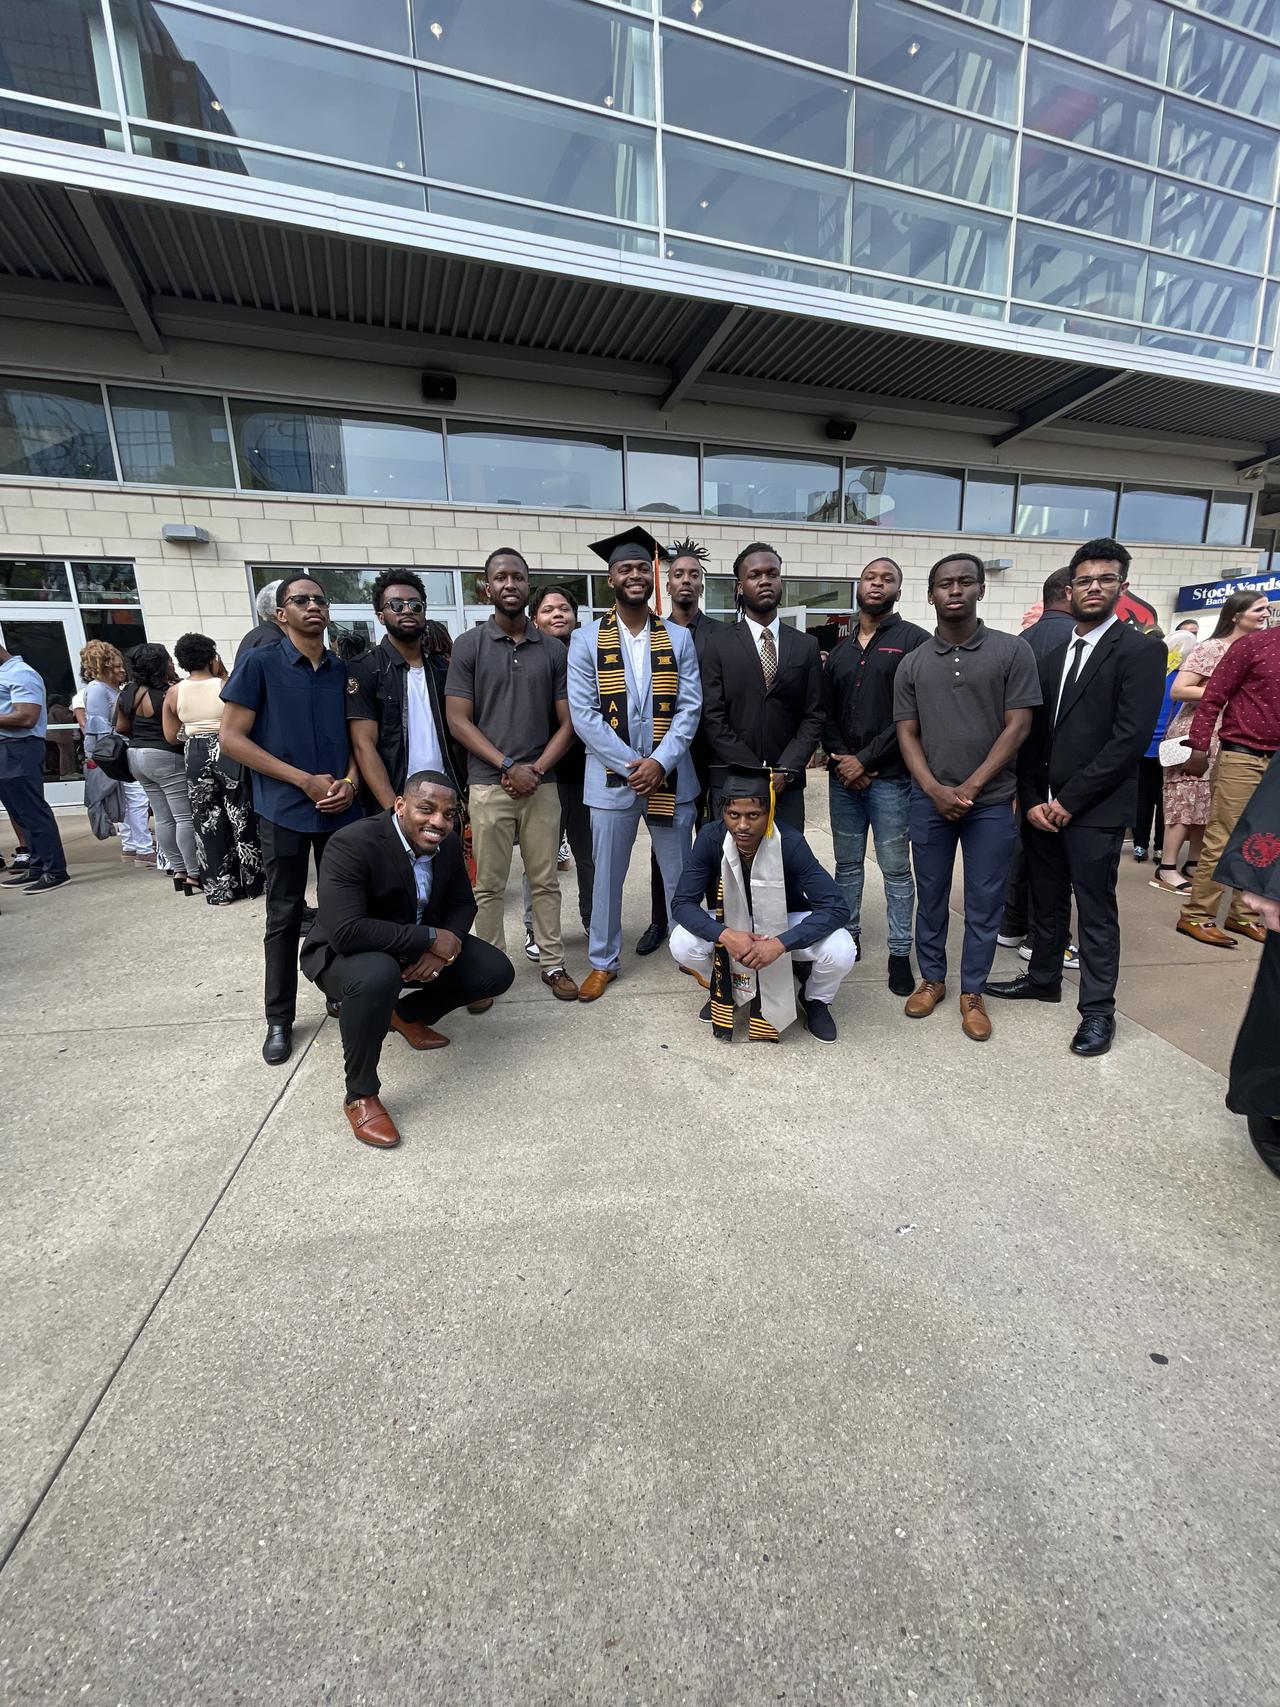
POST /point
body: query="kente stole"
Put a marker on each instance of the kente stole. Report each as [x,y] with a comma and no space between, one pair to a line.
[664,682]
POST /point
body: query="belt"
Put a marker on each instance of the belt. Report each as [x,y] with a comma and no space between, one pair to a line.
[1253,752]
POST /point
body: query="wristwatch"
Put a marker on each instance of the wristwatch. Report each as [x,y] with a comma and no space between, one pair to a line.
[506,765]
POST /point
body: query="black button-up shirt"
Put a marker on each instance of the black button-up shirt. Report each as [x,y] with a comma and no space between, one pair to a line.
[859,717]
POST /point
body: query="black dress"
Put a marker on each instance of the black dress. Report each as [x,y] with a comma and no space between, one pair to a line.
[1251,862]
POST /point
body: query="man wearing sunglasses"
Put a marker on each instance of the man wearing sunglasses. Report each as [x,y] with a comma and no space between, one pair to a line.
[285,718]
[1102,684]
[395,707]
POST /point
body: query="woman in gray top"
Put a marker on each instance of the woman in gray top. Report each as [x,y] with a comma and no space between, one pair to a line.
[102,672]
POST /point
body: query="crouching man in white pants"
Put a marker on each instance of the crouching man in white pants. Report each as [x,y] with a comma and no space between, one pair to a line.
[774,906]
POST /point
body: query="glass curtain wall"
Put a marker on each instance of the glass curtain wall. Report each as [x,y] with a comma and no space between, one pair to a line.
[1106,169]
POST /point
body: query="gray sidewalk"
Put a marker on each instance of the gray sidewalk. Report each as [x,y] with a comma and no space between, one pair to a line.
[645,1371]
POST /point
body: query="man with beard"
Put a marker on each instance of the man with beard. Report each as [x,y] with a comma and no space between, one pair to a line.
[684,599]
[762,689]
[507,704]
[1078,788]
[635,697]
[869,784]
[394,712]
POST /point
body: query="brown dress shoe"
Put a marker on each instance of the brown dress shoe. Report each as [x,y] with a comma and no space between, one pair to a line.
[481,1007]
[371,1123]
[974,1020]
[595,984]
[561,985]
[1209,934]
[1251,928]
[417,1034]
[924,999]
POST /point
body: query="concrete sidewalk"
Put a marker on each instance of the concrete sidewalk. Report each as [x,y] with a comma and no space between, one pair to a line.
[644,1371]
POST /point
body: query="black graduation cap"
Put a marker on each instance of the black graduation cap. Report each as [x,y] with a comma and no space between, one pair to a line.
[626,547]
[747,782]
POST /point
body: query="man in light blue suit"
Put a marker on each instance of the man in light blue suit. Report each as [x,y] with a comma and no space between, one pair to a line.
[632,678]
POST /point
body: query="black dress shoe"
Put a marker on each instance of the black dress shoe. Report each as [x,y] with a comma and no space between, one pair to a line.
[652,940]
[278,1046]
[332,1008]
[1021,989]
[901,980]
[1093,1035]
[46,882]
[1264,1129]
[22,875]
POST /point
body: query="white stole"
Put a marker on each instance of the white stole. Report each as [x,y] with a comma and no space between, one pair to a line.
[766,915]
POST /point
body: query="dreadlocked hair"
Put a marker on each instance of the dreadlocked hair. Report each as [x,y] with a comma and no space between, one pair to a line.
[687,548]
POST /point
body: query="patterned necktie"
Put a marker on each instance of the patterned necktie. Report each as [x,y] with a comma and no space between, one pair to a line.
[768,659]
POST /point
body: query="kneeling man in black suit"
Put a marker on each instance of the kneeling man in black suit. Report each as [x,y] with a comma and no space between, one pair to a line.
[395,909]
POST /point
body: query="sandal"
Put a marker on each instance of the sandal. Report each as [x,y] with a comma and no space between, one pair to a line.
[1179,886]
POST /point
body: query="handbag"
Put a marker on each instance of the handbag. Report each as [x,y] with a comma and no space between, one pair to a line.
[111,755]
[1173,752]
[104,801]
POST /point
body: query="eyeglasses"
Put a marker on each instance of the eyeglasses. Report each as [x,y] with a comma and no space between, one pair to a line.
[302,599]
[1108,581]
[415,606]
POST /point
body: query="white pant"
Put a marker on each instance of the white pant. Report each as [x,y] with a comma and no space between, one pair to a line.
[831,958]
[135,833]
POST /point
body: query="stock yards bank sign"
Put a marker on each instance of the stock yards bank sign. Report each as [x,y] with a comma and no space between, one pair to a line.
[1210,595]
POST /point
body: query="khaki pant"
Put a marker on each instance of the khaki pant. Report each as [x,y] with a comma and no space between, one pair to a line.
[495,820]
[1232,782]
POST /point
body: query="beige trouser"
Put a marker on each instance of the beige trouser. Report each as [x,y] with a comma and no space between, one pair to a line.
[495,820]
[1233,780]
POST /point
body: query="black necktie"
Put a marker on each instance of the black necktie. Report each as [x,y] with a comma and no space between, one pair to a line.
[1073,672]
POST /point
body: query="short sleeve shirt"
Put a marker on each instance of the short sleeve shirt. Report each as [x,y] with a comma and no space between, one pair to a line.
[514,686]
[300,716]
[959,696]
[20,685]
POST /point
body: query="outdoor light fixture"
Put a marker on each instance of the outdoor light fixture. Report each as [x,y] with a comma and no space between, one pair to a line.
[999,562]
[841,431]
[183,533]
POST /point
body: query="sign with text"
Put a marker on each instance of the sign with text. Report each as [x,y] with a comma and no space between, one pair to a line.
[1211,595]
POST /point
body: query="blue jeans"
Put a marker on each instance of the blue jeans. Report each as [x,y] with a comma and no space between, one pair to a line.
[883,810]
[986,836]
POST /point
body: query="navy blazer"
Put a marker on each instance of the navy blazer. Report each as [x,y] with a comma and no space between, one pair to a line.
[810,889]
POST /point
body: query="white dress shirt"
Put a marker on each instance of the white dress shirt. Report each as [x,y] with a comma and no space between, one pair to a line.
[1090,639]
[757,631]
[637,646]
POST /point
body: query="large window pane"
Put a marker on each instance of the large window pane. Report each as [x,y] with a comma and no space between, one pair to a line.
[1162,516]
[624,239]
[988,501]
[171,438]
[764,203]
[561,46]
[376,23]
[879,496]
[1006,14]
[928,240]
[1127,35]
[54,431]
[554,471]
[283,448]
[1209,348]
[770,487]
[1260,15]
[1079,325]
[737,96]
[106,583]
[34,580]
[923,54]
[1208,145]
[526,148]
[951,301]
[1073,272]
[758,266]
[1066,188]
[662,477]
[1228,518]
[928,150]
[32,120]
[1085,106]
[1217,228]
[822,31]
[1060,509]
[1188,298]
[207,74]
[280,168]
[812,594]
[56,48]
[1224,67]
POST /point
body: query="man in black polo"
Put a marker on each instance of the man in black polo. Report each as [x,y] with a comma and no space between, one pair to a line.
[963,704]
[870,788]
[394,707]
[285,717]
[507,703]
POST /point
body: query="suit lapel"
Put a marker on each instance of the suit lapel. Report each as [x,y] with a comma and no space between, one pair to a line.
[400,861]
[1092,664]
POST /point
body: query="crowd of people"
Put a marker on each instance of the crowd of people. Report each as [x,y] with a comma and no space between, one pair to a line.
[1030,755]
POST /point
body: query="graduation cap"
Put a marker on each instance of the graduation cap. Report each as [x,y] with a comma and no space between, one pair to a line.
[747,782]
[635,544]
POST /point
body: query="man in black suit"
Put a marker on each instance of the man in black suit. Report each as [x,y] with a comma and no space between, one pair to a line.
[395,909]
[684,601]
[1077,786]
[762,690]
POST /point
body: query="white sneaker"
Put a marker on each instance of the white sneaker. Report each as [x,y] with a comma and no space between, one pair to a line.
[1070,960]
[1010,941]
[531,949]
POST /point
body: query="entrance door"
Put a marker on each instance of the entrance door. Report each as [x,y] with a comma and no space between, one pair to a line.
[50,642]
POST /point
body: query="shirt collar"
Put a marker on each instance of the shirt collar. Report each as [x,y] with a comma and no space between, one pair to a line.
[531,632]
[293,656]
[974,640]
[771,625]
[404,842]
[1094,635]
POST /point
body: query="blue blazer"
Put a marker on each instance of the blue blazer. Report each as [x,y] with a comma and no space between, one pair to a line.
[605,749]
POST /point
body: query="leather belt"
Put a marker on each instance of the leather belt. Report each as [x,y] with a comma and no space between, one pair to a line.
[1253,752]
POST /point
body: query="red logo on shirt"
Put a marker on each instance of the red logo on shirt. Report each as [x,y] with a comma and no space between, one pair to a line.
[1261,849]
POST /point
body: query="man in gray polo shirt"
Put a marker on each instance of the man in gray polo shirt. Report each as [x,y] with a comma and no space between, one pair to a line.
[962,705]
[507,703]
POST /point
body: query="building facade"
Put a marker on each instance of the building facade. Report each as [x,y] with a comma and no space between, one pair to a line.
[347,287]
